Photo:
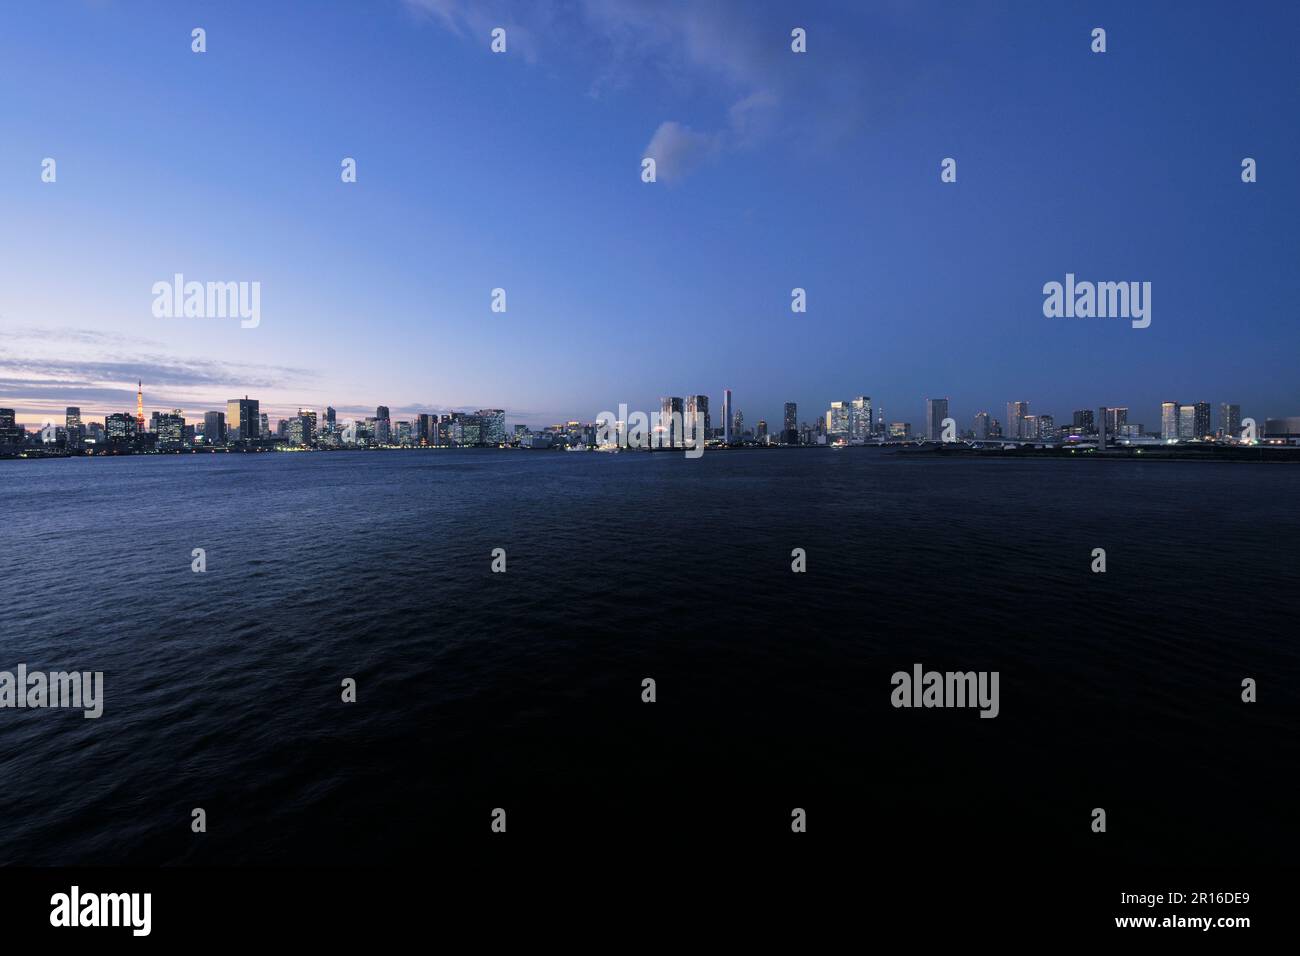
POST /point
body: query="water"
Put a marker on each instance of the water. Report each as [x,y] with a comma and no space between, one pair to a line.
[522,690]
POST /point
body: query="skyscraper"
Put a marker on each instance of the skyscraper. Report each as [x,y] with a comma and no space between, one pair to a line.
[697,414]
[308,416]
[243,419]
[383,425]
[8,427]
[1084,423]
[837,422]
[790,431]
[1186,422]
[1230,420]
[1169,421]
[1201,417]
[1016,412]
[171,429]
[936,410]
[72,424]
[491,426]
[981,425]
[121,427]
[726,416]
[671,412]
[214,428]
[860,418]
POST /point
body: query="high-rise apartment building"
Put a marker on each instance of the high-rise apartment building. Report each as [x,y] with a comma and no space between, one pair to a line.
[1201,418]
[860,418]
[1016,412]
[1230,421]
[672,411]
[1169,421]
[698,421]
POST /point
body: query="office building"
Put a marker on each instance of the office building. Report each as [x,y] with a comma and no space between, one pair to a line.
[837,421]
[243,419]
[121,427]
[214,428]
[9,431]
[936,410]
[491,426]
[790,424]
[169,429]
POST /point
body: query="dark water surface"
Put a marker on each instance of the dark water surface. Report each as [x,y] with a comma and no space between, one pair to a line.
[523,690]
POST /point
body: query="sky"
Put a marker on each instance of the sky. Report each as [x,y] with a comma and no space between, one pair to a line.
[522,171]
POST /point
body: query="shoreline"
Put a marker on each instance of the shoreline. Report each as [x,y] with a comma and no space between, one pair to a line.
[1197,453]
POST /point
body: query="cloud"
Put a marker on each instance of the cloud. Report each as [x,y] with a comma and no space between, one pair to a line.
[678,150]
[46,383]
[475,21]
[730,53]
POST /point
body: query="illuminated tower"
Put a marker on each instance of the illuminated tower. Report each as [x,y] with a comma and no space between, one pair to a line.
[139,407]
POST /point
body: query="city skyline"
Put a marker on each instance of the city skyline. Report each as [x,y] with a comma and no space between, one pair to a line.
[858,420]
[521,171]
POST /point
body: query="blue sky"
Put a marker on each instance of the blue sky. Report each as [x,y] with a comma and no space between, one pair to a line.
[522,171]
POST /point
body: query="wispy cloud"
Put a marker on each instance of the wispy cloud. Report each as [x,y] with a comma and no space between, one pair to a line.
[678,150]
[40,371]
[729,52]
